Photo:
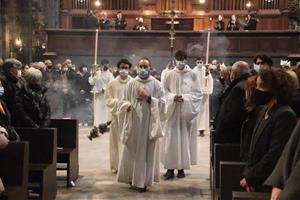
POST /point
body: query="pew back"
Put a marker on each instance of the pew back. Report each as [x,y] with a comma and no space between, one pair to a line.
[67,132]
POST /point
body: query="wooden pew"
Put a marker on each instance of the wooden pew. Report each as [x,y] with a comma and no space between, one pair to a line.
[230,175]
[67,143]
[14,166]
[42,160]
[250,196]
[223,152]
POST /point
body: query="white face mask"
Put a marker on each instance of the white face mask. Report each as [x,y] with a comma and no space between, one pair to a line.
[84,69]
[180,65]
[19,73]
[199,65]
[123,73]
[1,91]
[256,67]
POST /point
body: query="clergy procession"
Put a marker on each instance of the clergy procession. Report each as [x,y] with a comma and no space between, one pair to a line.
[152,121]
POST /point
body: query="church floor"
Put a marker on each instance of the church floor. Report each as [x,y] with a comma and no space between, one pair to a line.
[97,182]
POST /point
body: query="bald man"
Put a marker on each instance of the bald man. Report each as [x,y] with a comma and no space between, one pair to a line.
[232,111]
[139,163]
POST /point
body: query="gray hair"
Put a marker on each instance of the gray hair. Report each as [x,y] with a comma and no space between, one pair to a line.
[33,75]
[16,63]
[240,68]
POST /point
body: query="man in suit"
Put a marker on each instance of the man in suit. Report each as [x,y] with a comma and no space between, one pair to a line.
[120,23]
[232,111]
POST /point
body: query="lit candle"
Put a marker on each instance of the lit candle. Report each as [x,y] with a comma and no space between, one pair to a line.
[207,46]
[96,47]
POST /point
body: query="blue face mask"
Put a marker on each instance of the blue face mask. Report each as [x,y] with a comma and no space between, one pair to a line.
[199,65]
[143,74]
[1,91]
[180,65]
[256,68]
[123,73]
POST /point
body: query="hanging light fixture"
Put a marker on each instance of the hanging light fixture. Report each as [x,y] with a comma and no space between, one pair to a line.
[248,4]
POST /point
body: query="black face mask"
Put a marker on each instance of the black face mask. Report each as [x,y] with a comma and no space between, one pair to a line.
[262,97]
[35,87]
[222,80]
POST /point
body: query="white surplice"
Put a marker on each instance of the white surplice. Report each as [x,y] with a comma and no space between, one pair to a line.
[179,146]
[139,163]
[100,81]
[113,95]
[206,85]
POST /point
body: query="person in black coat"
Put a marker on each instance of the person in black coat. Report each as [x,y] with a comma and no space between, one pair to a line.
[286,175]
[10,82]
[251,22]
[233,24]
[120,23]
[220,25]
[31,103]
[274,125]
[104,22]
[232,111]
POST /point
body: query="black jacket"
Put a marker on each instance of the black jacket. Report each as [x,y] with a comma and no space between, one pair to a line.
[251,24]
[219,25]
[270,135]
[5,122]
[286,174]
[233,26]
[295,104]
[247,131]
[231,114]
[120,24]
[10,86]
[33,108]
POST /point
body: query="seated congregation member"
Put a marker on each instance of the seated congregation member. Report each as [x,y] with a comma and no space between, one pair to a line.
[120,23]
[183,103]
[31,103]
[140,25]
[219,24]
[274,125]
[139,163]
[251,22]
[232,113]
[233,24]
[286,175]
[104,22]
[113,95]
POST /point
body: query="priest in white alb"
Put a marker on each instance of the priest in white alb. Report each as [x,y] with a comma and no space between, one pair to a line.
[100,77]
[206,85]
[183,101]
[113,95]
[139,163]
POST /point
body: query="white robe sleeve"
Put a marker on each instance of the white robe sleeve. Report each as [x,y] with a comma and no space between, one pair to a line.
[191,104]
[156,107]
[111,102]
[169,99]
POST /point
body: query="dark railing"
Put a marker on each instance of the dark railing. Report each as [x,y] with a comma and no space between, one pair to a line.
[269,4]
[81,4]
